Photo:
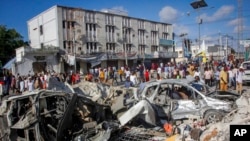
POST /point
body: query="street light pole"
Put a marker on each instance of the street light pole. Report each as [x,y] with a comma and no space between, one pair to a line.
[197,5]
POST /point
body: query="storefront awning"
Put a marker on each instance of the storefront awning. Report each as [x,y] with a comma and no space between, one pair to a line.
[8,65]
[95,63]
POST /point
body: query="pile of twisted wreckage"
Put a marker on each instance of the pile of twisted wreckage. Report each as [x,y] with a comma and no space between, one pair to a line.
[98,112]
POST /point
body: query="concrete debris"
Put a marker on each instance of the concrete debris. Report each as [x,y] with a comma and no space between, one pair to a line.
[142,110]
[220,131]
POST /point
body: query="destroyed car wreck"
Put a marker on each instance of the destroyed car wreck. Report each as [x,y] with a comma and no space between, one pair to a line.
[171,99]
[49,115]
[57,116]
[177,99]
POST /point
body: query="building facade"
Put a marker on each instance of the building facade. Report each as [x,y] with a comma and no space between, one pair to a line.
[100,39]
[210,50]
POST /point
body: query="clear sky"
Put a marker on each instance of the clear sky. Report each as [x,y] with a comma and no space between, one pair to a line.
[219,17]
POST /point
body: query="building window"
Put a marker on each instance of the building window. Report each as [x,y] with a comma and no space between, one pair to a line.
[91,47]
[64,24]
[141,25]
[165,28]
[42,45]
[109,20]
[64,44]
[164,35]
[90,27]
[154,48]
[41,29]
[110,47]
[79,48]
[127,48]
[110,29]
[154,37]
[141,49]
[126,22]
[141,36]
[154,27]
[90,17]
[127,32]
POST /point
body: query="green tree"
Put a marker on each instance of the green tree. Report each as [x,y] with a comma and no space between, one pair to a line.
[10,39]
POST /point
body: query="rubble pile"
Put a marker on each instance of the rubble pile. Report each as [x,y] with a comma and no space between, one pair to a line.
[241,115]
[96,111]
[94,91]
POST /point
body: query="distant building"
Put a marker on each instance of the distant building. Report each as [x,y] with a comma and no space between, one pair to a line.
[96,38]
[211,50]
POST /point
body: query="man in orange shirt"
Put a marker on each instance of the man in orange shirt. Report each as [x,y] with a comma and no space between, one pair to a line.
[101,75]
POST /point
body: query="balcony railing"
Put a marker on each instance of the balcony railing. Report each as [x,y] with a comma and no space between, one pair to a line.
[46,49]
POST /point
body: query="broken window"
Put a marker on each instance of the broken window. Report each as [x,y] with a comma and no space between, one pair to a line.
[150,91]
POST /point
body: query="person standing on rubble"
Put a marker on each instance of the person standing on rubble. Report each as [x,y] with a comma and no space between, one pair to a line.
[120,72]
[101,75]
[239,81]
[223,79]
[30,85]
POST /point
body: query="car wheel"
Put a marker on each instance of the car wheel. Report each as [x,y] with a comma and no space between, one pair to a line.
[212,117]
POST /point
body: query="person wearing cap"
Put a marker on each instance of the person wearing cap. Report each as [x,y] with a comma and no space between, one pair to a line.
[239,81]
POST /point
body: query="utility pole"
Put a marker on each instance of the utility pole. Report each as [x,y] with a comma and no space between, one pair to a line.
[74,46]
[125,46]
[220,47]
[173,44]
[240,26]
[226,48]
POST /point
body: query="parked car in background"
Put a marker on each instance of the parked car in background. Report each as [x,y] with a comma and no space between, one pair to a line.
[246,74]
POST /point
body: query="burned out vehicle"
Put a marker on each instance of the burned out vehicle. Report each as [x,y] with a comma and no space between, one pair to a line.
[176,99]
[59,116]
[53,115]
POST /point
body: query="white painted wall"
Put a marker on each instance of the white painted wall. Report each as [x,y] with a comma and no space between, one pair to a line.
[19,54]
[48,20]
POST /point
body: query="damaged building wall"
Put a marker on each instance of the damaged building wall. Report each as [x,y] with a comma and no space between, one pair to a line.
[37,62]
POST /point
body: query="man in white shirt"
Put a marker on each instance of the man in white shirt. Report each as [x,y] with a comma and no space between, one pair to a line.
[231,78]
[239,81]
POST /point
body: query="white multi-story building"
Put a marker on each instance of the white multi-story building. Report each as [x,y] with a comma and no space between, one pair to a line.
[96,38]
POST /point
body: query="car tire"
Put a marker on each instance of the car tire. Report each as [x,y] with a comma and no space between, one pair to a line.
[212,117]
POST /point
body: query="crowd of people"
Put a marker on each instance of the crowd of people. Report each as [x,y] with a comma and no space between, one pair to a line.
[221,75]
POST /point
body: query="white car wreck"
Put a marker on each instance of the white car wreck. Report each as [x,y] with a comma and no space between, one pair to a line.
[175,99]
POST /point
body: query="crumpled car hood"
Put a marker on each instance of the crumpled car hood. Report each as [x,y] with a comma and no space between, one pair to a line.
[219,104]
